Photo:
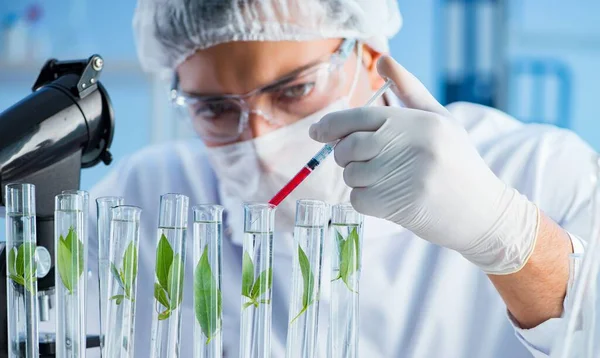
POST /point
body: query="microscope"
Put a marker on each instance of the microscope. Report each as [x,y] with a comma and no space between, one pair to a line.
[66,124]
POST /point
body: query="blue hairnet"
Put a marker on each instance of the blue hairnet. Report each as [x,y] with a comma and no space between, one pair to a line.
[169,31]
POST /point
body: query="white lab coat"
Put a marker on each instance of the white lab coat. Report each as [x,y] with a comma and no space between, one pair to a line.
[416,299]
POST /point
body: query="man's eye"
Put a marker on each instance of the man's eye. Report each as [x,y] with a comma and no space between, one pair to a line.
[215,109]
[297,91]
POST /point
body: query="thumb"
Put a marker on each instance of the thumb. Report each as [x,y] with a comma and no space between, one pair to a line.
[408,88]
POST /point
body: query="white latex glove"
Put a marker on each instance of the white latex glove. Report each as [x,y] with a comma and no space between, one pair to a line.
[417,167]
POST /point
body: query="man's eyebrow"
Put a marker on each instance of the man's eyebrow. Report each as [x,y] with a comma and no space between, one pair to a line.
[268,87]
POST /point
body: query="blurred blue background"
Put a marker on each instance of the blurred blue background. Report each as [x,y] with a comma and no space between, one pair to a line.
[534,59]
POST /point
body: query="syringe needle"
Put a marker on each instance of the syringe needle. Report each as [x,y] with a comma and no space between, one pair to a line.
[319,157]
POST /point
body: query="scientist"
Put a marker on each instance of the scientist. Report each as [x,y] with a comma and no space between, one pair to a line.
[472,215]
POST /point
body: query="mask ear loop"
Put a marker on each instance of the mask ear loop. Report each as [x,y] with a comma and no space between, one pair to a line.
[359,52]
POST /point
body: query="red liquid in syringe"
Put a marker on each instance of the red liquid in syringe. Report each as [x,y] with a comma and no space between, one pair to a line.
[290,186]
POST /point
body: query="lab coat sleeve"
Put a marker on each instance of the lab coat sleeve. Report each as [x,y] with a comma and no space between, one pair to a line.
[565,189]
[539,340]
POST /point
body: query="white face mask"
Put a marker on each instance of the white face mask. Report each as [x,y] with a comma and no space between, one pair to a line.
[255,170]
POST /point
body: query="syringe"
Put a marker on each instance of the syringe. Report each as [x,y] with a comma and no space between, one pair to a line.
[319,157]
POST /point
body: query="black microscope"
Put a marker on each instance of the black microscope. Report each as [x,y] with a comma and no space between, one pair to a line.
[66,124]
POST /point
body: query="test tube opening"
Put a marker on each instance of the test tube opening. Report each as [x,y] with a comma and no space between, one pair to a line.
[259,217]
[20,199]
[173,211]
[208,213]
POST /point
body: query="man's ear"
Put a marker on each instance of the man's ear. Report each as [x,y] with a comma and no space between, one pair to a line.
[369,59]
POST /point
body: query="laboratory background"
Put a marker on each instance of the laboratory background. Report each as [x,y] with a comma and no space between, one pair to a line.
[535,59]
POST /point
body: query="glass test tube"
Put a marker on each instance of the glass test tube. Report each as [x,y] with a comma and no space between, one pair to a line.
[104,207]
[311,220]
[71,284]
[345,270]
[257,279]
[21,283]
[208,233]
[169,272]
[122,285]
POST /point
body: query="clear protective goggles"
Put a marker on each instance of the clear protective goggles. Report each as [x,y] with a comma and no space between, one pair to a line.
[223,119]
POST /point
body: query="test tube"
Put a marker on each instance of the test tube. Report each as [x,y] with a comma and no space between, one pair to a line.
[311,219]
[122,284]
[169,273]
[345,270]
[257,279]
[71,284]
[208,233]
[21,284]
[104,207]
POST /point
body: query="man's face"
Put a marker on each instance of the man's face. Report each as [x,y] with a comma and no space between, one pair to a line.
[240,67]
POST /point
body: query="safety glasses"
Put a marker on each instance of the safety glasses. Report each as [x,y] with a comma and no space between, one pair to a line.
[222,119]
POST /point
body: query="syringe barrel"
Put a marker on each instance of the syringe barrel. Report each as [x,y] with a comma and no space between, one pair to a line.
[321,155]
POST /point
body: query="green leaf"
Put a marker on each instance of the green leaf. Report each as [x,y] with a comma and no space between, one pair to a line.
[161,295]
[69,239]
[164,259]
[164,315]
[265,301]
[116,275]
[308,280]
[64,265]
[354,237]
[339,239]
[247,274]
[29,259]
[75,246]
[349,259]
[17,279]
[130,265]
[307,277]
[12,257]
[248,304]
[299,314]
[175,282]
[29,283]
[262,284]
[117,298]
[207,297]
[20,256]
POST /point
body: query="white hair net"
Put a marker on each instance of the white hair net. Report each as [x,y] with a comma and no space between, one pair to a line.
[168,31]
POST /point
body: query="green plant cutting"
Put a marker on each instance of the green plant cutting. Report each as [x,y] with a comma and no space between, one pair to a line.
[254,289]
[207,298]
[168,288]
[22,265]
[70,260]
[125,277]
[349,254]
[308,280]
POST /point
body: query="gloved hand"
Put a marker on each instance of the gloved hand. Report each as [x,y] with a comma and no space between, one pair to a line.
[417,167]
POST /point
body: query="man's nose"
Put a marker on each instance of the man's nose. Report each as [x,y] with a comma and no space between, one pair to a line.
[261,122]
